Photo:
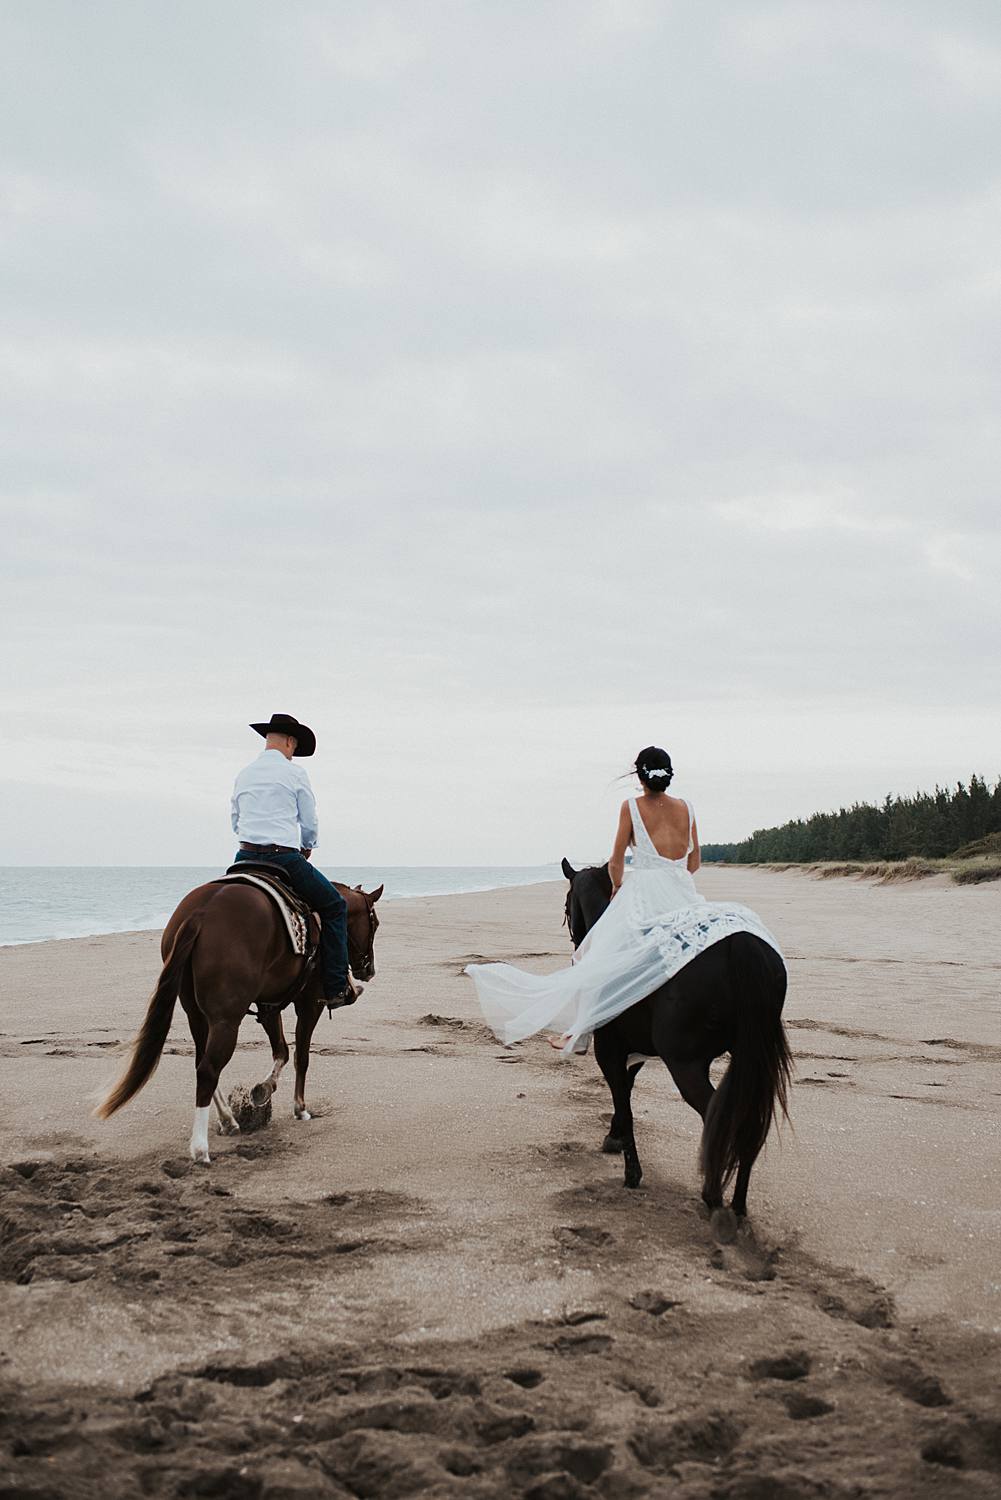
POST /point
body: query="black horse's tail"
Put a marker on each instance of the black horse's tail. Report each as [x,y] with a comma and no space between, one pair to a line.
[755,1086]
[148,1045]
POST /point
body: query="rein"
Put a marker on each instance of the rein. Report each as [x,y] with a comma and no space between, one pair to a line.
[372,920]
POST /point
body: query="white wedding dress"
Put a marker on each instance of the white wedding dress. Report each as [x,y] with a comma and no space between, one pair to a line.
[656,924]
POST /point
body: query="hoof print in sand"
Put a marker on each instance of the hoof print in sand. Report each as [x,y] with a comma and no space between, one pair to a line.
[460,1463]
[946,1450]
[177,1166]
[499,1426]
[555,1487]
[702,1438]
[745,1259]
[557,1456]
[976,1445]
[802,1407]
[378,1466]
[915,1384]
[792,1366]
[582,1343]
[288,1479]
[583,1315]
[873,1309]
[654,1303]
[648,1393]
[581,1237]
[248,1377]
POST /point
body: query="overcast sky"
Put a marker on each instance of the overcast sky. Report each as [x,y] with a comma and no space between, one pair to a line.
[498,388]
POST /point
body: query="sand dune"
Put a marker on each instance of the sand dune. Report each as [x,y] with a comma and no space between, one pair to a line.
[439,1287]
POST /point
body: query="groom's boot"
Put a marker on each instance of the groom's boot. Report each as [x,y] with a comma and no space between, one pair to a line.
[349,992]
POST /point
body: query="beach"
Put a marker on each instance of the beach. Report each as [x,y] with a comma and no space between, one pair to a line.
[439,1286]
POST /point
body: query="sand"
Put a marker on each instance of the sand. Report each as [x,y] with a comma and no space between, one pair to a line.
[439,1286]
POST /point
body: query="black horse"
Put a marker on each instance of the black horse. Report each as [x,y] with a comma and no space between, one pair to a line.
[727,999]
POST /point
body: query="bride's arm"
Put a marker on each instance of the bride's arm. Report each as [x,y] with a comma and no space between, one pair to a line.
[623,835]
[695,858]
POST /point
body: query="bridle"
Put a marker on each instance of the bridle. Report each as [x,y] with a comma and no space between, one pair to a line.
[568,918]
[358,959]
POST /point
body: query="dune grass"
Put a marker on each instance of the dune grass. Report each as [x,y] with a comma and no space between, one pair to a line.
[965,868]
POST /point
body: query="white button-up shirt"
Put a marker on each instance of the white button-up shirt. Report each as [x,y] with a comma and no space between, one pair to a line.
[273,803]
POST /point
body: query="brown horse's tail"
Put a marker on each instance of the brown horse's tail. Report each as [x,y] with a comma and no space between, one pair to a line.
[148,1044]
[755,1087]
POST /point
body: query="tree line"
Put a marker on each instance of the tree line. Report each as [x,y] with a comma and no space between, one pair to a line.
[929,824]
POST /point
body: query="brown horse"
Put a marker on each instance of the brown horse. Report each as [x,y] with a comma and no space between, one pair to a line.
[224,949]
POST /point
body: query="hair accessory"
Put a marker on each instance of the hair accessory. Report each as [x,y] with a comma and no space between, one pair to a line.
[658,772]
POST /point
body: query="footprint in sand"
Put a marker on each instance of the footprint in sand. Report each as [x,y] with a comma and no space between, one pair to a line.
[803,1407]
[974,1444]
[795,1365]
[869,1309]
[582,1343]
[654,1303]
[915,1384]
[581,1237]
[557,1456]
[644,1389]
[704,1438]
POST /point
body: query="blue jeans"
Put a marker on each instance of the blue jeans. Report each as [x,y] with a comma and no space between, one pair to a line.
[326,901]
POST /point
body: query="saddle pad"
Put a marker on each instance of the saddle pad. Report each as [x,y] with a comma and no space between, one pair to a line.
[293,915]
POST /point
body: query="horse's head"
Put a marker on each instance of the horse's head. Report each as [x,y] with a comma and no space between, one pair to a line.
[363,924]
[589,893]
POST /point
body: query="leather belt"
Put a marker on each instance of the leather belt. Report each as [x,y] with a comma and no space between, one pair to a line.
[268,848]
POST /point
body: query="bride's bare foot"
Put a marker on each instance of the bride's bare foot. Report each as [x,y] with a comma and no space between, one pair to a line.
[559,1042]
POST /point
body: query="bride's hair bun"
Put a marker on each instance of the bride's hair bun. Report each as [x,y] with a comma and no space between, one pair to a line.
[654,769]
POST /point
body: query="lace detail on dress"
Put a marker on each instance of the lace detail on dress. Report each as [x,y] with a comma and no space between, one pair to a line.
[691,931]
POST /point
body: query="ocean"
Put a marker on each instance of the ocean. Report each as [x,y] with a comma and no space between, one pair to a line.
[39,902]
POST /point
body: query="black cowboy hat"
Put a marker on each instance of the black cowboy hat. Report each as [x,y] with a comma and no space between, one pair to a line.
[285,724]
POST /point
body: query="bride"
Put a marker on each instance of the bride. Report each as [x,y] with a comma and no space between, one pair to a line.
[655,924]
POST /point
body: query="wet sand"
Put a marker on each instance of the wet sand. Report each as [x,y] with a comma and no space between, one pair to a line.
[438,1286]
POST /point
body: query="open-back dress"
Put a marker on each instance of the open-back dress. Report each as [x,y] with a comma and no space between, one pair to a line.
[656,924]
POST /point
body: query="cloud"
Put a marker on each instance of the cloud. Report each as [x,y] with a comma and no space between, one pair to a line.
[497,386]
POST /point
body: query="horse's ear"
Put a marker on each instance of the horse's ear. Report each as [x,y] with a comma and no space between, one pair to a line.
[373,896]
[568,869]
[356,887]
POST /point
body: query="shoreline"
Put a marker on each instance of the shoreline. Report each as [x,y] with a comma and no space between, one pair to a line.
[815,871]
[83,937]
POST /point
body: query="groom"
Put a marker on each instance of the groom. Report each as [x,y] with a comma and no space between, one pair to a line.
[274,817]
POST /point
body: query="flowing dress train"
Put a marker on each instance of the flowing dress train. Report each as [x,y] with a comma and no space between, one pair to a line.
[656,924]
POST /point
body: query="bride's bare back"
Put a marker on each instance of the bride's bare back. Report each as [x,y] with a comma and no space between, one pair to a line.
[666,820]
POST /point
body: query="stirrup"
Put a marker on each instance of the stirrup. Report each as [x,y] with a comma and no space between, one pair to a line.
[347,996]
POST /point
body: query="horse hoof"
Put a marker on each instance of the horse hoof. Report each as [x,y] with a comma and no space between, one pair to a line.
[260,1094]
[724,1226]
[612,1145]
[633,1179]
[227,1127]
[200,1158]
[302,1114]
